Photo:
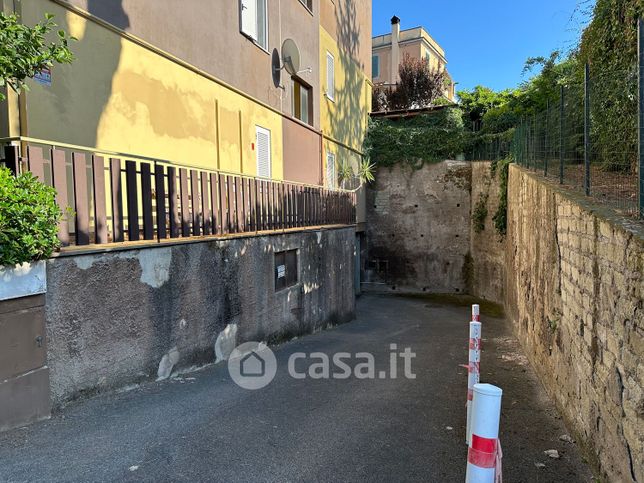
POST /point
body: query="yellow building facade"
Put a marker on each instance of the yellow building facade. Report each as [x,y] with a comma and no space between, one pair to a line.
[156,82]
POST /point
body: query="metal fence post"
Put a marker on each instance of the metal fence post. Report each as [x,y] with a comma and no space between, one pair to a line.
[561,135]
[640,143]
[587,129]
[546,142]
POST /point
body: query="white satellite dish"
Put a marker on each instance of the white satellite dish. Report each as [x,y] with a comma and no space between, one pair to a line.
[291,56]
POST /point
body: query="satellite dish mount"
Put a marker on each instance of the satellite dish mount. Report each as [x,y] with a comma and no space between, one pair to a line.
[290,59]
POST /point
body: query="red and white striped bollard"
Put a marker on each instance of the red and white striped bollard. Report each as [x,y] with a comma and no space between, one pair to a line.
[484,452]
[473,366]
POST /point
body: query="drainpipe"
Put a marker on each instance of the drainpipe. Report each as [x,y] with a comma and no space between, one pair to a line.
[395,49]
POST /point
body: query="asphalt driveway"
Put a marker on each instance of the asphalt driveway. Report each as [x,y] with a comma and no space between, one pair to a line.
[203,427]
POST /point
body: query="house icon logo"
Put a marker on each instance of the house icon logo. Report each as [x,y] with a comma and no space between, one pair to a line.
[252,365]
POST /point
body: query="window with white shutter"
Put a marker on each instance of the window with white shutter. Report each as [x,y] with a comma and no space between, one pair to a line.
[330,76]
[263,150]
[254,21]
[330,170]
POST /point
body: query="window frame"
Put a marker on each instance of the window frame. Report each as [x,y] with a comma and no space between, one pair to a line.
[330,96]
[305,5]
[309,105]
[255,39]
[290,260]
[263,130]
[375,57]
[330,185]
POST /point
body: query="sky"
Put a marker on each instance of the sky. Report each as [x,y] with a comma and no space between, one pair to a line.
[488,41]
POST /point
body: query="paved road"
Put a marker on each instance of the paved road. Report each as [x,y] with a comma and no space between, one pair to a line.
[207,428]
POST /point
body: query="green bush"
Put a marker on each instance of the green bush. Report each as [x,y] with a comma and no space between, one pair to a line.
[428,138]
[28,219]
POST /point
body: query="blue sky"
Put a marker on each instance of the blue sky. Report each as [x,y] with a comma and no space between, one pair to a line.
[488,41]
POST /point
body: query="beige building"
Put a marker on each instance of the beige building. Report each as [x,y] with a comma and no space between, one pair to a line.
[389,50]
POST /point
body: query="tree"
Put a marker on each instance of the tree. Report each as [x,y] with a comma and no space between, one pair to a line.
[419,86]
[25,51]
[477,102]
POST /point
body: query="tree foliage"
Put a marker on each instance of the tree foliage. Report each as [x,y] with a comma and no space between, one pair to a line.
[25,51]
[419,86]
[416,140]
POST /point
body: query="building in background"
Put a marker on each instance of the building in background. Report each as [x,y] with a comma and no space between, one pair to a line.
[389,50]
[194,83]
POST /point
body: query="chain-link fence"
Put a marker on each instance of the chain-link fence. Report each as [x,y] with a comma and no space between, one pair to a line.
[587,139]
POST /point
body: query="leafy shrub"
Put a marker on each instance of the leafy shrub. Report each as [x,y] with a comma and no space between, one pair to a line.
[414,141]
[28,219]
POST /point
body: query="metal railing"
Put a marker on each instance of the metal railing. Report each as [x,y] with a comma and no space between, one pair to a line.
[587,139]
[111,197]
[590,137]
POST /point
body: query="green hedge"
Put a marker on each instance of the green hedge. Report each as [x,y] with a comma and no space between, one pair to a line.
[28,219]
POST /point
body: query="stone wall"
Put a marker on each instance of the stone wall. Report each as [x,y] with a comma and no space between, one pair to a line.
[575,292]
[418,225]
[487,247]
[112,317]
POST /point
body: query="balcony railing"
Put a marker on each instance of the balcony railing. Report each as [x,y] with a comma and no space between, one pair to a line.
[110,198]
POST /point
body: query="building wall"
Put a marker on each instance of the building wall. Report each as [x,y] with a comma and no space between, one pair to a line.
[575,288]
[112,317]
[345,32]
[207,35]
[418,229]
[137,101]
[151,82]
[299,163]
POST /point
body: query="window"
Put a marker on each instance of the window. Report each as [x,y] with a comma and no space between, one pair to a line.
[254,21]
[330,76]
[285,269]
[301,101]
[427,58]
[263,150]
[375,66]
[308,4]
[330,170]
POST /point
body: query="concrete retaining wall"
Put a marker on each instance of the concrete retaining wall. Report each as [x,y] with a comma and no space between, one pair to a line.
[487,248]
[111,317]
[418,226]
[575,291]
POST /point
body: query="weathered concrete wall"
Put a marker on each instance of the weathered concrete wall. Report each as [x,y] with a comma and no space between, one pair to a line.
[418,225]
[111,317]
[575,291]
[487,247]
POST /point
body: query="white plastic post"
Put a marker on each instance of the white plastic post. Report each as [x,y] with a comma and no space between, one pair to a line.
[476,310]
[484,450]
[473,371]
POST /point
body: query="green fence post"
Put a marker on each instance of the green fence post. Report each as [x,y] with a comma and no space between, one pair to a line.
[546,142]
[587,129]
[561,135]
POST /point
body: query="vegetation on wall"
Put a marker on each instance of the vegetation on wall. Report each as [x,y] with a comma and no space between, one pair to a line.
[479,213]
[25,51]
[501,168]
[28,219]
[414,141]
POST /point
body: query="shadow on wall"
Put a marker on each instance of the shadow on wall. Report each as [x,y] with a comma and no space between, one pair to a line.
[71,110]
[349,96]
